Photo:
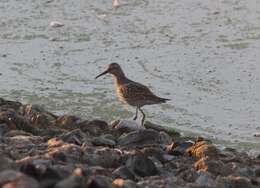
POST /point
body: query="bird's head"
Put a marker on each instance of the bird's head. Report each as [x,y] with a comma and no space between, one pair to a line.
[112,68]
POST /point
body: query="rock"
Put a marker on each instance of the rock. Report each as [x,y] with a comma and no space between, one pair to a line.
[257,171]
[165,138]
[76,180]
[16,121]
[202,149]
[245,171]
[104,157]
[205,179]
[124,173]
[124,183]
[124,126]
[69,153]
[100,182]
[11,178]
[22,146]
[141,165]
[5,104]
[4,128]
[75,137]
[234,182]
[68,122]
[155,152]
[97,170]
[169,130]
[103,141]
[95,127]
[35,160]
[21,141]
[47,176]
[139,138]
[37,115]
[213,166]
[178,148]
[13,133]
[6,163]
[158,181]
[189,175]
[56,24]
[168,158]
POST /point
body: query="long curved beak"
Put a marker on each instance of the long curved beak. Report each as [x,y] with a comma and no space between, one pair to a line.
[103,73]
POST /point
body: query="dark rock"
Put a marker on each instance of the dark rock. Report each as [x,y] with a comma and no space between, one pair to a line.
[139,138]
[234,182]
[104,157]
[75,137]
[156,152]
[68,122]
[205,179]
[157,181]
[16,121]
[95,127]
[189,175]
[69,153]
[103,141]
[72,182]
[5,104]
[231,155]
[37,115]
[257,171]
[64,170]
[23,146]
[169,130]
[213,166]
[76,180]
[245,171]
[100,182]
[165,138]
[13,133]
[11,178]
[47,176]
[21,141]
[97,170]
[141,165]
[179,148]
[4,128]
[124,173]
[6,163]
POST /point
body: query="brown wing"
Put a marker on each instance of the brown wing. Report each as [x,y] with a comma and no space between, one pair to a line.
[137,94]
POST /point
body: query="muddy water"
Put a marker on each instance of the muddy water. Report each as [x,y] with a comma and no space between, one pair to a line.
[202,54]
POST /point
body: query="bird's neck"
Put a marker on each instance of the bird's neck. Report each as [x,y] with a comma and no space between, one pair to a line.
[119,78]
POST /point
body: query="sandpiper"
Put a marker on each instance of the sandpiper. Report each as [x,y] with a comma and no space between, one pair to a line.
[130,92]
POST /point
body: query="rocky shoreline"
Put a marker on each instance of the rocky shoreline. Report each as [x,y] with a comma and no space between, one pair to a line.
[40,149]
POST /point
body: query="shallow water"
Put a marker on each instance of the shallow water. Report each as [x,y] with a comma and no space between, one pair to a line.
[202,54]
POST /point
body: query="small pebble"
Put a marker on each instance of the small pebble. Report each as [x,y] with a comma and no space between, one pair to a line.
[56,24]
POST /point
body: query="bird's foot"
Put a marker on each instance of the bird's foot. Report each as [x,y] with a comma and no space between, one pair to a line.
[142,123]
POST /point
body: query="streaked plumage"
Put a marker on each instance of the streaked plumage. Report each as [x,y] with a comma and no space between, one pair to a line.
[130,92]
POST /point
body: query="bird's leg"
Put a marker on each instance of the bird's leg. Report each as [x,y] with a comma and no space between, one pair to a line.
[136,113]
[143,118]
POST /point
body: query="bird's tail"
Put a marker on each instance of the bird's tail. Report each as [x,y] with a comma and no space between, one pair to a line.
[163,100]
